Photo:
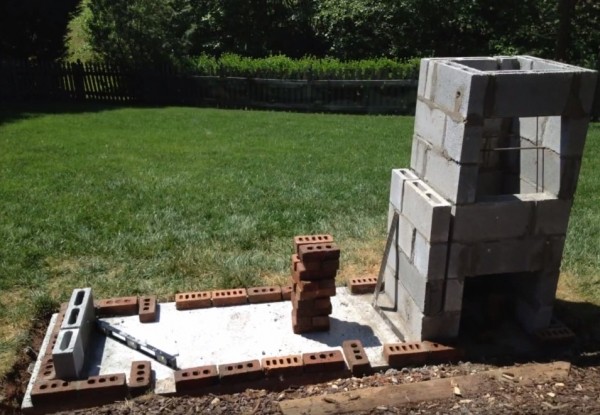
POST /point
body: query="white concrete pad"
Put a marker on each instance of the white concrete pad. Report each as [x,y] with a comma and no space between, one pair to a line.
[221,335]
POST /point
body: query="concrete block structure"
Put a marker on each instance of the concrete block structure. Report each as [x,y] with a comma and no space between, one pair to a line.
[496,154]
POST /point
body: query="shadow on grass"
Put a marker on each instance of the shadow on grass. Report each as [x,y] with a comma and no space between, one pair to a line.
[11,112]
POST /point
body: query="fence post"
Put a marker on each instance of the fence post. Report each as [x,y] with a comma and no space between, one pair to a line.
[78,80]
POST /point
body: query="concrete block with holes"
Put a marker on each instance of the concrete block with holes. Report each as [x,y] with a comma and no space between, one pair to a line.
[496,152]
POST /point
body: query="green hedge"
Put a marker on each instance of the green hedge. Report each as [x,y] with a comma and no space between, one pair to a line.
[282,67]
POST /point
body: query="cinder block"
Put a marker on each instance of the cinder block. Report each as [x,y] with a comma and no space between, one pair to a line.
[551,214]
[427,211]
[418,155]
[196,378]
[551,172]
[399,176]
[327,361]
[399,355]
[454,294]
[148,310]
[405,232]
[511,255]
[430,123]
[282,366]
[533,318]
[193,300]
[430,259]
[235,296]
[529,94]
[240,371]
[264,294]
[459,260]
[422,77]
[455,182]
[357,359]
[120,306]
[102,388]
[480,63]
[563,135]
[441,353]
[80,314]
[318,252]
[364,285]
[492,218]
[463,140]
[140,376]
[68,354]
[52,392]
[440,327]
[459,89]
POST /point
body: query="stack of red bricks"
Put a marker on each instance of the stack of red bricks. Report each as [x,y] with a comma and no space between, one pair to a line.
[314,266]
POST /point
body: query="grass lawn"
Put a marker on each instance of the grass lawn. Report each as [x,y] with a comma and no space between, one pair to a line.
[135,201]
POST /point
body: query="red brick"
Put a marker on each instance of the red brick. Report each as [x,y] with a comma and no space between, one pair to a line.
[193,300]
[363,285]
[119,306]
[310,239]
[399,355]
[240,371]
[311,308]
[52,391]
[286,292]
[357,359]
[440,353]
[325,266]
[301,273]
[140,376]
[264,294]
[320,323]
[147,309]
[102,387]
[282,365]
[327,361]
[301,324]
[555,335]
[318,252]
[321,285]
[304,295]
[196,377]
[47,371]
[235,296]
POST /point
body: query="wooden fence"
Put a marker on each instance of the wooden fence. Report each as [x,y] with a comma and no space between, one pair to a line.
[25,81]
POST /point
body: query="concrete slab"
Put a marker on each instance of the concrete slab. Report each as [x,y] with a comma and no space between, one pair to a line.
[238,333]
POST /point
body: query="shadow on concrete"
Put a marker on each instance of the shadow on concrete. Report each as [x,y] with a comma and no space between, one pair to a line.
[341,330]
[98,341]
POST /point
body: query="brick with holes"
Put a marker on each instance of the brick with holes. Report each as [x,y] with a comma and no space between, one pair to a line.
[52,391]
[310,308]
[300,240]
[240,371]
[140,376]
[327,361]
[399,355]
[234,296]
[193,300]
[357,359]
[286,292]
[318,252]
[282,366]
[102,387]
[264,294]
[441,353]
[148,309]
[47,371]
[119,306]
[301,324]
[555,335]
[363,285]
[196,378]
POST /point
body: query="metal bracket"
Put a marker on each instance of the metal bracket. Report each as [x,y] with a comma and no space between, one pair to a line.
[155,353]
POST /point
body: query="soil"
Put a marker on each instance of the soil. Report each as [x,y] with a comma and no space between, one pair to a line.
[579,393]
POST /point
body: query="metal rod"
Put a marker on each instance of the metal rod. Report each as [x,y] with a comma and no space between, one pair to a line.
[512,149]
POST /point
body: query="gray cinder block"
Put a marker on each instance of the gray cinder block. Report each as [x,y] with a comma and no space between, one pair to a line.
[509,255]
[404,232]
[427,211]
[493,218]
[455,182]
[429,259]
[80,314]
[68,354]
[454,294]
[551,213]
[399,176]
[430,124]
[463,140]
[418,155]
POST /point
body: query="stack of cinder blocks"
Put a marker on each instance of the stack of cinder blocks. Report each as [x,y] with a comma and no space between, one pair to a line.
[495,160]
[314,267]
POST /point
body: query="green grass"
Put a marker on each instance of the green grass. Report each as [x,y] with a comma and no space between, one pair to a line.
[132,201]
